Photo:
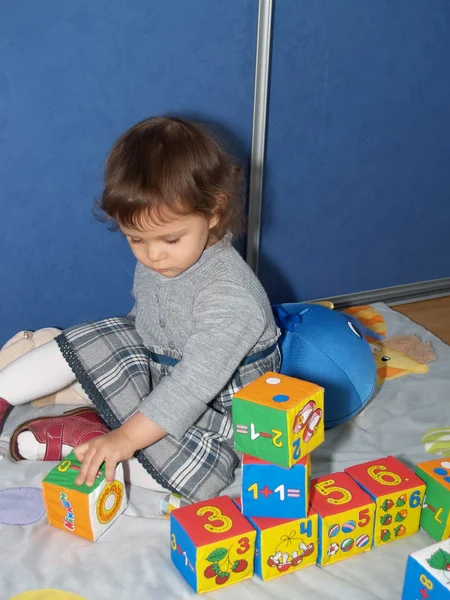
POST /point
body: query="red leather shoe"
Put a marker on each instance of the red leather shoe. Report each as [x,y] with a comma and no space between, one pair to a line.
[71,428]
[5,407]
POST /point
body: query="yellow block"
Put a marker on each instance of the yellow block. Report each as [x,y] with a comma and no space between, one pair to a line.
[346,534]
[228,562]
[289,547]
[398,515]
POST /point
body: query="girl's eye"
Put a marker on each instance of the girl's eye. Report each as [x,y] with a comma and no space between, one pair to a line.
[173,241]
[135,241]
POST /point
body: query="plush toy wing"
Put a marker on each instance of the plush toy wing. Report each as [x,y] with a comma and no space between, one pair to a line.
[328,348]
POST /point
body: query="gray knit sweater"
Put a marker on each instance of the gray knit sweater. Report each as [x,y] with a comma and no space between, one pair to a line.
[211,316]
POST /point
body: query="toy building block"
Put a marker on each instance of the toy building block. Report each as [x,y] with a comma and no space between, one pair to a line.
[83,510]
[346,517]
[435,518]
[427,573]
[275,492]
[284,545]
[212,544]
[398,495]
[278,418]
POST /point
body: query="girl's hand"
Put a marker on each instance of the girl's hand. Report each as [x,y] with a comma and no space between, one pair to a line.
[111,448]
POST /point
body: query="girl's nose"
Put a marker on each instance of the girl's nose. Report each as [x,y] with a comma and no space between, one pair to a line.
[155,254]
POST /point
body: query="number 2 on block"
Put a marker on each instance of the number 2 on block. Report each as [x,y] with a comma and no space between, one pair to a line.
[296,446]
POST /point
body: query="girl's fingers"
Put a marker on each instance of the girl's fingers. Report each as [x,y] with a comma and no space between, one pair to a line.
[85,466]
[80,451]
[94,467]
[110,470]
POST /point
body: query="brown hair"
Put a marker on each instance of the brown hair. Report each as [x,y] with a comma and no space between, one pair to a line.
[169,164]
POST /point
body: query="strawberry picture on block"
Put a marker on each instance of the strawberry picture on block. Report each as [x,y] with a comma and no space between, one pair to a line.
[398,494]
[278,419]
[269,490]
[346,517]
[212,544]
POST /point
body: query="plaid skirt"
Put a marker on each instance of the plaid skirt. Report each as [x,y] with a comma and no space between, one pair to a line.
[117,372]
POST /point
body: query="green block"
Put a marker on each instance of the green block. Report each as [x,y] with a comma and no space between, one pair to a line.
[65,477]
[262,432]
[436,507]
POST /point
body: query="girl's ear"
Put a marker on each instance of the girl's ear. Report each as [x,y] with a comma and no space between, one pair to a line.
[213,220]
[218,210]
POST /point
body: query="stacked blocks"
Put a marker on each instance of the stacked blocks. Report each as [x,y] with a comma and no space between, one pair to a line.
[272,491]
[284,522]
[278,418]
[277,421]
[435,518]
[284,545]
[80,509]
[426,574]
[398,494]
[212,544]
[346,517]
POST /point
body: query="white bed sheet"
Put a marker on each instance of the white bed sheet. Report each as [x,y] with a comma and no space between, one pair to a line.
[132,560]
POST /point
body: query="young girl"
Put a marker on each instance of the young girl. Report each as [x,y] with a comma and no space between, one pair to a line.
[202,327]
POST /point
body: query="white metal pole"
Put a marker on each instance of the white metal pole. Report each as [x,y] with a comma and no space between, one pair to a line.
[262,68]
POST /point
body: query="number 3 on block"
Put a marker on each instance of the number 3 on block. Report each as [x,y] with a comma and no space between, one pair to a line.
[221,522]
[327,487]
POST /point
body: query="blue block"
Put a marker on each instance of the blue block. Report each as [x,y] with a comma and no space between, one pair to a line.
[272,491]
[426,576]
[183,552]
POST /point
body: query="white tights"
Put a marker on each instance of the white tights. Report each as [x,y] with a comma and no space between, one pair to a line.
[41,372]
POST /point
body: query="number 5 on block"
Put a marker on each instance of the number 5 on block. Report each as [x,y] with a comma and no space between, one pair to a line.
[346,517]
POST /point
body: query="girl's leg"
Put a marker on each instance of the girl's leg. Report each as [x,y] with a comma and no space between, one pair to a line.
[38,373]
[135,474]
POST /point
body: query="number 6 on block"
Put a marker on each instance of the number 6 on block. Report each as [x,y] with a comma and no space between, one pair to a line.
[398,494]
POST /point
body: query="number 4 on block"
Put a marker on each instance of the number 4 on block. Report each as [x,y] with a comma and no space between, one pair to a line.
[398,494]
[212,544]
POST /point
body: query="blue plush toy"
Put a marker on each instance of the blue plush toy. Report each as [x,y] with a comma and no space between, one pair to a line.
[328,348]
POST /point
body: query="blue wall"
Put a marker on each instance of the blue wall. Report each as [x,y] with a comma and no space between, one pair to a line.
[73,76]
[357,187]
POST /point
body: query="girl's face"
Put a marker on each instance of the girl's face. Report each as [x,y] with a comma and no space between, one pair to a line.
[172,247]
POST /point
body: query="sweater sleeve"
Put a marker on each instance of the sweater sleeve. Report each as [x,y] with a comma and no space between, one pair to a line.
[227,324]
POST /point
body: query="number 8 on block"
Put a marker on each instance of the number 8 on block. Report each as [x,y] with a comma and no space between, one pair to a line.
[278,419]
[212,544]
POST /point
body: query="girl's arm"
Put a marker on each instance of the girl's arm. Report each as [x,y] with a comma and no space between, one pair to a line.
[141,431]
[118,445]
